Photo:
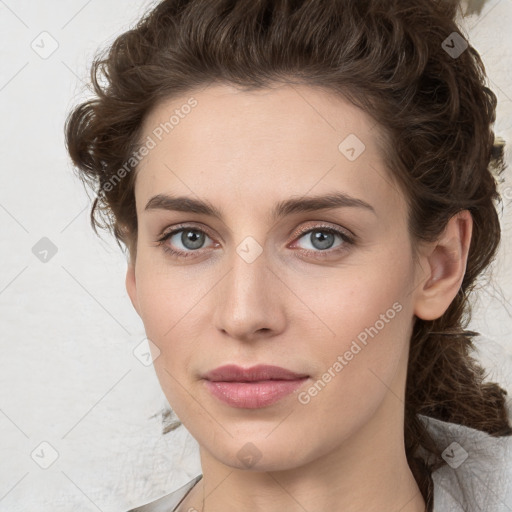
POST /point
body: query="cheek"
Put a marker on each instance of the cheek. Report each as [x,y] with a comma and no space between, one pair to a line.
[357,303]
[169,306]
[165,312]
[366,319]
[156,311]
[164,298]
[356,369]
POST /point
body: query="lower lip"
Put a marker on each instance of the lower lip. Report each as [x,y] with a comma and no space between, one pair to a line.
[253,395]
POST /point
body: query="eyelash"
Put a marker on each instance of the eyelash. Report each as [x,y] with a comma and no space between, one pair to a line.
[301,232]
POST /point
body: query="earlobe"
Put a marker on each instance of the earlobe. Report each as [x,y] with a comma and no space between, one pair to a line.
[131,286]
[446,265]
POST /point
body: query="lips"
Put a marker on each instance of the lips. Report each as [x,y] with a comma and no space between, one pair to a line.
[252,388]
[262,372]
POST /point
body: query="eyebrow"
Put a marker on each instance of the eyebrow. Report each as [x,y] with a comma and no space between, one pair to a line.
[280,209]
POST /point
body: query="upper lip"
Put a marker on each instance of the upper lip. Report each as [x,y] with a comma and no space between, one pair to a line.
[234,373]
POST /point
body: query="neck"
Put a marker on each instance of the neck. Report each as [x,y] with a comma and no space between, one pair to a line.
[367,471]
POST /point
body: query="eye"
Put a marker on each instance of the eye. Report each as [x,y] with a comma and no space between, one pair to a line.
[190,238]
[322,238]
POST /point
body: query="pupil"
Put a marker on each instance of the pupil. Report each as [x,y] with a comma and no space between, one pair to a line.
[322,238]
[192,239]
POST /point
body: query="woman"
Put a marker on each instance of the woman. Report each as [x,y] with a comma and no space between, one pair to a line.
[305,190]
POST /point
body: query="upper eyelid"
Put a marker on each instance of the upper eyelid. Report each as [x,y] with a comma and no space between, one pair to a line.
[179,227]
[338,229]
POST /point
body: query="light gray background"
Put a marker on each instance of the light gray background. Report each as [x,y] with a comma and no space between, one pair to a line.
[69,376]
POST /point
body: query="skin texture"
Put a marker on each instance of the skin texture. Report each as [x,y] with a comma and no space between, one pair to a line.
[243,152]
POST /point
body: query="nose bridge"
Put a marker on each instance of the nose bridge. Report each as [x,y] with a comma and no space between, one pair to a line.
[248,277]
[246,299]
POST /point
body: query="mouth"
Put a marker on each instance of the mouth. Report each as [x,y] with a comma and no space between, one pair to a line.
[261,372]
[252,388]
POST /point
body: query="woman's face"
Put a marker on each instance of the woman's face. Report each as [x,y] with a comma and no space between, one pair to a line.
[325,293]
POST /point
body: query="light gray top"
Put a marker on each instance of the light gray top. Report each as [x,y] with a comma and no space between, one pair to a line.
[168,502]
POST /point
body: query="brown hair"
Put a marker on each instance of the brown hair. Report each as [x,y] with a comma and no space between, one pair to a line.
[390,58]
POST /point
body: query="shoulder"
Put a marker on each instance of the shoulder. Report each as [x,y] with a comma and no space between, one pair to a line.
[478,471]
[168,502]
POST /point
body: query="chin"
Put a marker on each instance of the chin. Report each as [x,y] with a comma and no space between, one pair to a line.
[259,451]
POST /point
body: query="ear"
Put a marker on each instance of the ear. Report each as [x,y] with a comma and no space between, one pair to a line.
[131,286]
[444,265]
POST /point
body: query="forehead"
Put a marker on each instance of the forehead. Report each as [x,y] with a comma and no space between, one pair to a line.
[262,143]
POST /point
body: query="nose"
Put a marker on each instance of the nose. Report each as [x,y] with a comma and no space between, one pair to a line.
[249,299]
